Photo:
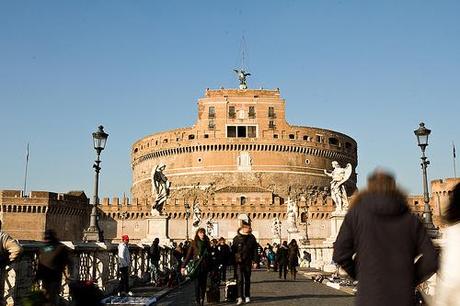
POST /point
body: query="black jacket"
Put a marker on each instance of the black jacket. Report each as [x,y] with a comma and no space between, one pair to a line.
[386,238]
[282,255]
[244,248]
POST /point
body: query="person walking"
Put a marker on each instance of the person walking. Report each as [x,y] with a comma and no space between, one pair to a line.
[124,261]
[448,282]
[10,250]
[282,259]
[155,255]
[379,242]
[223,258]
[200,248]
[244,248]
[293,258]
[53,259]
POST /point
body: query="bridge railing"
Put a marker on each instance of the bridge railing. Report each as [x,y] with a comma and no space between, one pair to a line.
[97,262]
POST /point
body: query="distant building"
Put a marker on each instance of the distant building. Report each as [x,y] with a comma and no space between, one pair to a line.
[27,218]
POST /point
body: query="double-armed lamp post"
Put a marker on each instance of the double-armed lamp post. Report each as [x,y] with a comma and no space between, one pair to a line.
[94,233]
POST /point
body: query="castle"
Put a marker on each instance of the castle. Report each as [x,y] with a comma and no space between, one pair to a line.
[240,157]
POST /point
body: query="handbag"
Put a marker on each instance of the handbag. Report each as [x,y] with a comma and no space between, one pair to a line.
[193,266]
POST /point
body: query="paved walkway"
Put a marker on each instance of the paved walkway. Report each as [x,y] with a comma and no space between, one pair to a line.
[267,289]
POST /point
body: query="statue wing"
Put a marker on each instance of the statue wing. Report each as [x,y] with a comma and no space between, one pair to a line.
[246,74]
[348,171]
[237,71]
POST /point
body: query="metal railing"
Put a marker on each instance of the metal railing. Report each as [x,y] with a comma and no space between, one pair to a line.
[96,262]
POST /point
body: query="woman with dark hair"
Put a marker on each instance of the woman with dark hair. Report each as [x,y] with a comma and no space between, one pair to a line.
[200,248]
[448,287]
[293,254]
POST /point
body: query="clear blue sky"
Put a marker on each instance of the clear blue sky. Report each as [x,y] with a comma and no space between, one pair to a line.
[371,69]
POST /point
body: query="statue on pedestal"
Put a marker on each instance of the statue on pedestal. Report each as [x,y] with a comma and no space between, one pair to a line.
[292,215]
[161,185]
[339,176]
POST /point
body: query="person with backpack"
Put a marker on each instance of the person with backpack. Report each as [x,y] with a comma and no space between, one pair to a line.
[244,248]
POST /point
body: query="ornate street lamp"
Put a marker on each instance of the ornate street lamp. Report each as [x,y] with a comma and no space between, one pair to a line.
[187,216]
[422,134]
[94,233]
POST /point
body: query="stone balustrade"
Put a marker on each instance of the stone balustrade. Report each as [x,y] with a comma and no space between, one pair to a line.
[97,262]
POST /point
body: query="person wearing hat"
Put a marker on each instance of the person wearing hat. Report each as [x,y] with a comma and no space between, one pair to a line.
[52,261]
[124,261]
[244,248]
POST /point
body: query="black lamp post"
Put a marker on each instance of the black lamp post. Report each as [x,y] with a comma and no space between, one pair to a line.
[422,134]
[94,233]
[187,216]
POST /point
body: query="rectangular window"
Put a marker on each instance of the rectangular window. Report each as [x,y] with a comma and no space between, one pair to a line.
[212,112]
[252,112]
[252,131]
[271,124]
[319,138]
[231,112]
[241,131]
[211,124]
[231,131]
[271,112]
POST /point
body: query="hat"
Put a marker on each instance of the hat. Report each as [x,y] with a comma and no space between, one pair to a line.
[125,238]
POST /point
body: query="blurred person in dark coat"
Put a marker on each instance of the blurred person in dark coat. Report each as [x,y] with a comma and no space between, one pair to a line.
[379,242]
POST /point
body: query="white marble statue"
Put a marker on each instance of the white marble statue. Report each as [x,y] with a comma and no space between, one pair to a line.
[196,214]
[210,228]
[339,176]
[292,215]
[161,185]
[276,228]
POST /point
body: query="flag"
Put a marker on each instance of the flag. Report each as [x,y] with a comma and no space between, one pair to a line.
[27,152]
[453,149]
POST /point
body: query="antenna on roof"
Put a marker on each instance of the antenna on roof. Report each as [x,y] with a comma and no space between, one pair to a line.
[242,74]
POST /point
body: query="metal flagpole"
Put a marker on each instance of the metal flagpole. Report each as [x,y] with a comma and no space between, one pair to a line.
[25,174]
[453,157]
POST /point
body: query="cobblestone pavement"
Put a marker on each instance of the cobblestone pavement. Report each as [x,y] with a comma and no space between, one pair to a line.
[267,289]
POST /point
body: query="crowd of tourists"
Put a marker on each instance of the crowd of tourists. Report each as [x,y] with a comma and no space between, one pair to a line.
[381,244]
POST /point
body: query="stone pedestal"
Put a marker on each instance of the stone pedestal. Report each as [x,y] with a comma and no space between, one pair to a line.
[157,227]
[337,218]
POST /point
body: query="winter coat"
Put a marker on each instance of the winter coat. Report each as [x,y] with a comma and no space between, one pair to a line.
[194,253]
[223,254]
[155,253]
[282,255]
[293,255]
[386,239]
[448,279]
[52,260]
[244,248]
